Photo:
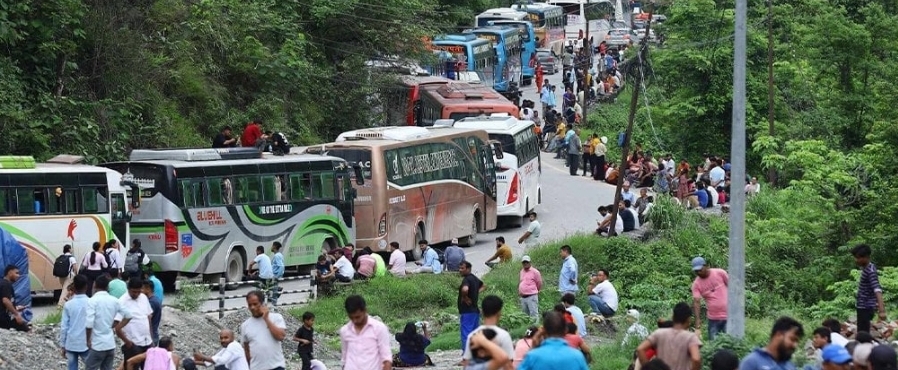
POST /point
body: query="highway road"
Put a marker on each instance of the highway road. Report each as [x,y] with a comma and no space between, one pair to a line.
[568,207]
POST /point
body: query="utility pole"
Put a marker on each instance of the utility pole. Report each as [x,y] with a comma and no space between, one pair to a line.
[586,68]
[642,54]
[736,287]
[771,172]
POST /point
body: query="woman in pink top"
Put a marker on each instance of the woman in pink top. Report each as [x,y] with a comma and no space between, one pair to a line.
[93,265]
[524,345]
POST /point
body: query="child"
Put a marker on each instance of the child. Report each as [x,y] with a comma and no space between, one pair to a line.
[305,337]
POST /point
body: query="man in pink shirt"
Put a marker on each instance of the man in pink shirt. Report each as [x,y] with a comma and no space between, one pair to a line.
[364,342]
[364,266]
[710,284]
[531,282]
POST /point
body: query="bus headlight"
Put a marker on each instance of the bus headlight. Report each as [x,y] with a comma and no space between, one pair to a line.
[382,244]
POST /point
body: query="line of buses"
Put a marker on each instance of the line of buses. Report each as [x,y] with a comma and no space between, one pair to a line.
[203,211]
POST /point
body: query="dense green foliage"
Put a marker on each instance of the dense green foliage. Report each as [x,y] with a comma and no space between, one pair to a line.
[834,141]
[97,78]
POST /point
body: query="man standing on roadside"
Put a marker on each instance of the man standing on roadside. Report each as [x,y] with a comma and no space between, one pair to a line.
[136,335]
[676,346]
[567,279]
[277,271]
[102,309]
[531,282]
[530,238]
[72,333]
[710,285]
[364,341]
[784,339]
[117,286]
[262,334]
[156,304]
[554,352]
[135,261]
[468,294]
[869,292]
[492,314]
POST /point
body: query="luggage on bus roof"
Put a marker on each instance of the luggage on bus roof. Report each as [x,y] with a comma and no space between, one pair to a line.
[16,162]
[385,133]
[194,155]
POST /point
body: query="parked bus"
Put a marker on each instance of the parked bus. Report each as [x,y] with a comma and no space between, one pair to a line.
[204,211]
[548,23]
[579,12]
[458,100]
[423,183]
[402,101]
[464,52]
[48,205]
[507,42]
[528,47]
[496,14]
[518,173]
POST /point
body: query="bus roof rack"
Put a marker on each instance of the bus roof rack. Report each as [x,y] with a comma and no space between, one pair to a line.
[66,159]
[397,133]
[17,162]
[194,155]
[444,122]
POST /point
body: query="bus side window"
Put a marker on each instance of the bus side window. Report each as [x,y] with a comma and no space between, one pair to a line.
[25,201]
[187,193]
[5,206]
[227,191]
[55,204]
[71,200]
[40,201]
[271,190]
[102,200]
[296,192]
[241,191]
[254,188]
[328,185]
[215,192]
[89,200]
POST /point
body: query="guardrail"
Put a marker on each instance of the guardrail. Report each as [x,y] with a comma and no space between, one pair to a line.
[223,285]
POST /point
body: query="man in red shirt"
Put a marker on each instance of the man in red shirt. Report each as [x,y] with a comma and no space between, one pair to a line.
[252,133]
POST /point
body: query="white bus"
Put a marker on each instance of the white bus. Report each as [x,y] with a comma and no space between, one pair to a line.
[518,173]
[48,205]
[499,14]
[579,12]
[204,211]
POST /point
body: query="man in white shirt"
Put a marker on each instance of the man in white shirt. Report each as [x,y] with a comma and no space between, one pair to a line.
[343,267]
[491,309]
[530,238]
[230,357]
[669,165]
[397,260]
[626,194]
[262,334]
[717,175]
[602,295]
[102,309]
[136,336]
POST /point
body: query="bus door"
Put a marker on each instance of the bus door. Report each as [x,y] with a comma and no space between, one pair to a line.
[120,217]
[488,168]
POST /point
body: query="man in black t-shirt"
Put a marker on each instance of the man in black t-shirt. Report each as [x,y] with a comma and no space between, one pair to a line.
[468,295]
[224,139]
[305,336]
[10,314]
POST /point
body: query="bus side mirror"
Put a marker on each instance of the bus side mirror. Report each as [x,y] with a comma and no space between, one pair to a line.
[497,150]
[135,194]
[359,179]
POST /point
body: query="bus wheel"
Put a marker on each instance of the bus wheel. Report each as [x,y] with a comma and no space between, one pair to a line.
[471,240]
[235,266]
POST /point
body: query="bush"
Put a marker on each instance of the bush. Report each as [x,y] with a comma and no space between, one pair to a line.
[191,296]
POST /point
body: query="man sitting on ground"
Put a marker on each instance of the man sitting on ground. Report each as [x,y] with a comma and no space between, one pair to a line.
[453,255]
[342,269]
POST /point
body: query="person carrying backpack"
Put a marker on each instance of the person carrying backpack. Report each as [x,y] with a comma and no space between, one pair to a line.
[135,261]
[65,268]
[113,257]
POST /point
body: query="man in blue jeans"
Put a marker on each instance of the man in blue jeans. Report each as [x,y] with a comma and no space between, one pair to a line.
[72,334]
[602,295]
[710,285]
[468,294]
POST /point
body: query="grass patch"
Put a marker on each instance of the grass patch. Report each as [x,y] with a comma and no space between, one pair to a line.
[52,318]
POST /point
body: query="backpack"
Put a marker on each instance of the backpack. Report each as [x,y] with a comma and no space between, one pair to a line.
[62,266]
[108,259]
[133,261]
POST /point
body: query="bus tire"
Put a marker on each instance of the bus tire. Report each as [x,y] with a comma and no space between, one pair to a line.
[471,240]
[419,235]
[235,265]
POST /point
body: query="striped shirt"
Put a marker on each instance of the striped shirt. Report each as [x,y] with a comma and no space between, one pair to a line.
[867,287]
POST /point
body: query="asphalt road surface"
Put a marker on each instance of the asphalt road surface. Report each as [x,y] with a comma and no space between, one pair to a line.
[568,206]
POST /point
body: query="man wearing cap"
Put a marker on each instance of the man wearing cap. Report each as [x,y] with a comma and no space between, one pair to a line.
[836,357]
[530,238]
[453,255]
[710,285]
[531,282]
